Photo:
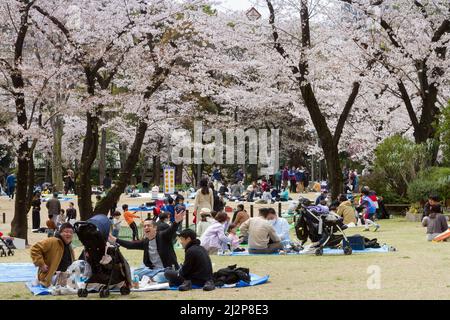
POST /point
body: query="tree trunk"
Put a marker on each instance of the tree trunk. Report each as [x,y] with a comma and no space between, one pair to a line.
[57,172]
[144,167]
[156,170]
[19,224]
[122,155]
[113,195]
[88,155]
[102,161]
[334,172]
[179,174]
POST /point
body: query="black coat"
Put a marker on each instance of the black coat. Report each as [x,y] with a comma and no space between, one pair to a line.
[164,246]
[197,265]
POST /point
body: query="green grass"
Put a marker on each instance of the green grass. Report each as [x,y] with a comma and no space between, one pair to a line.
[418,269]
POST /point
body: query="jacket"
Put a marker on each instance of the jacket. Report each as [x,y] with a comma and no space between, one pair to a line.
[259,233]
[197,265]
[204,200]
[346,211]
[48,252]
[164,245]
[214,237]
[435,223]
[54,206]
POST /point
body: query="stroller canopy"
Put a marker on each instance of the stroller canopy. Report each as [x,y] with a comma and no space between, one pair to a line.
[102,223]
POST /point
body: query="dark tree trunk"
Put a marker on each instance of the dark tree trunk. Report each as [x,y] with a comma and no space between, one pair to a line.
[19,224]
[179,174]
[113,195]
[122,155]
[144,168]
[57,172]
[102,160]
[156,170]
[88,155]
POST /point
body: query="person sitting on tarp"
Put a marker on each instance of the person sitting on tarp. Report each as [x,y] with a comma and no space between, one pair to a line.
[197,267]
[281,226]
[157,246]
[262,237]
[435,222]
[53,254]
[346,211]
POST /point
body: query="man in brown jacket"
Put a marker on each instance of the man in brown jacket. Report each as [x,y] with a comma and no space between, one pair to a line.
[53,254]
[346,211]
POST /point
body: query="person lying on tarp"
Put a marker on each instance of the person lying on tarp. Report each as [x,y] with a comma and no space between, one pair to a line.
[53,254]
[158,248]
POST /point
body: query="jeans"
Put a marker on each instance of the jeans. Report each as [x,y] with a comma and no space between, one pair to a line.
[134,229]
[272,248]
[11,190]
[156,274]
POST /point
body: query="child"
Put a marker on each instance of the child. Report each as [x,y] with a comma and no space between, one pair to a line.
[436,223]
[129,218]
[234,239]
[61,218]
[206,221]
[116,223]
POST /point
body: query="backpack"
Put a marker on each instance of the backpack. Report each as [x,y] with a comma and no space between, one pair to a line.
[231,275]
[372,208]
[371,243]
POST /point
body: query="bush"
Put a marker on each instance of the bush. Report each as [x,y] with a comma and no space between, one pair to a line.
[378,182]
[431,181]
[400,160]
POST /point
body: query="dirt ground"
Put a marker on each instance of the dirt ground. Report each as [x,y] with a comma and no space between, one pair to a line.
[417,270]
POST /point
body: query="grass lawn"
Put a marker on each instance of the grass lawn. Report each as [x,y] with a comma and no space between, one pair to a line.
[418,270]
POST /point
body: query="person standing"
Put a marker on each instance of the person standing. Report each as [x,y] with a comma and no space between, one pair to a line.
[239,175]
[54,208]
[285,177]
[204,198]
[278,175]
[36,211]
[11,185]
[107,182]
[129,218]
[71,212]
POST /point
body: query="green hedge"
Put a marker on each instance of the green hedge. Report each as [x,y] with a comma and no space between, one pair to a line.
[434,180]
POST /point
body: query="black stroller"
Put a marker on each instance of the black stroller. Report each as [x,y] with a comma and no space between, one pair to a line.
[93,234]
[320,227]
[6,247]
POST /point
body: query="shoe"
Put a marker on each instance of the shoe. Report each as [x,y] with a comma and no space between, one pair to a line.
[209,286]
[186,286]
[376,228]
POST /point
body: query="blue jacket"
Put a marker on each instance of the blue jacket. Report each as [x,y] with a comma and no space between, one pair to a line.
[11,180]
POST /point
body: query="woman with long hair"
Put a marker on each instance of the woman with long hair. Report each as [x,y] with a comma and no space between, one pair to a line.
[204,197]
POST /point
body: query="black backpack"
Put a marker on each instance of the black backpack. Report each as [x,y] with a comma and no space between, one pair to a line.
[371,243]
[231,275]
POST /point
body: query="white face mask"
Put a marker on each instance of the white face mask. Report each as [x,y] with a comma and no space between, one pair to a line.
[272,222]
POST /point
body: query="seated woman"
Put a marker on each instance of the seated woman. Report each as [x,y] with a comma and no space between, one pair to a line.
[284,195]
[214,238]
[436,223]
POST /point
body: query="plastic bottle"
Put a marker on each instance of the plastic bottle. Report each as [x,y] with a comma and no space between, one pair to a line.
[136,281]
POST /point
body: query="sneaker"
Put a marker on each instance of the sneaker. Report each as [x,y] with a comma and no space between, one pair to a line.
[209,286]
[376,228]
[186,286]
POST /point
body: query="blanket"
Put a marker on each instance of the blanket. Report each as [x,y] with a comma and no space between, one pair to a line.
[39,290]
[326,251]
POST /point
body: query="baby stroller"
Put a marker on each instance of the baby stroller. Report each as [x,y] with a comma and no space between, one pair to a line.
[6,247]
[320,226]
[108,265]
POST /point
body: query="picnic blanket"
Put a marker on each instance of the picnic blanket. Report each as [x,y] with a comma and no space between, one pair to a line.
[60,199]
[326,251]
[144,209]
[39,290]
[17,272]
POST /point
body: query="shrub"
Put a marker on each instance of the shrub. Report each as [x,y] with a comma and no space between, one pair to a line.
[400,160]
[430,181]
